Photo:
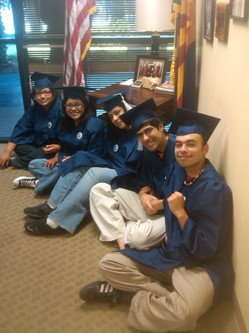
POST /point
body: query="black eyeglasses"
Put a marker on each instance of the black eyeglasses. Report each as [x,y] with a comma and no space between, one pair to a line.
[147,131]
[45,93]
[77,106]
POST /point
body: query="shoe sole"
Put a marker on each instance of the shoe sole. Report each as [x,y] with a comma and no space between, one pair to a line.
[37,232]
[18,182]
[36,216]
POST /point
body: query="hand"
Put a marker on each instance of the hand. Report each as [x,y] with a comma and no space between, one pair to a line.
[176,202]
[51,163]
[5,159]
[157,203]
[51,149]
[151,204]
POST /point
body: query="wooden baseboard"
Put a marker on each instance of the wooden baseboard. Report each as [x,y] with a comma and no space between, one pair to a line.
[238,318]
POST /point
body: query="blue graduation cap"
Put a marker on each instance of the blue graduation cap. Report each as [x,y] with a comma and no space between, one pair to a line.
[139,114]
[42,80]
[188,122]
[111,101]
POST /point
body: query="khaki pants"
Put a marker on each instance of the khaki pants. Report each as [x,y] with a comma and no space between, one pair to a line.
[111,209]
[164,301]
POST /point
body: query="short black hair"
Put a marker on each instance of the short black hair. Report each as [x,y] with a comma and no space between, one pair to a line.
[155,122]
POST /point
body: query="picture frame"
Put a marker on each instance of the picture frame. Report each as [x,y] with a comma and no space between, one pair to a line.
[209,15]
[222,21]
[150,67]
[239,10]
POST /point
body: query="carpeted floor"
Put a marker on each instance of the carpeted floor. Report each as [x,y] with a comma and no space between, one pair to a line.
[41,276]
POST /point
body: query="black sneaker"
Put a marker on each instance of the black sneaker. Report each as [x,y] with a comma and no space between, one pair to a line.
[40,211]
[100,291]
[39,227]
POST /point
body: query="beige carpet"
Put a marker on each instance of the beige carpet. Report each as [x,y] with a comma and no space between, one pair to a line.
[41,276]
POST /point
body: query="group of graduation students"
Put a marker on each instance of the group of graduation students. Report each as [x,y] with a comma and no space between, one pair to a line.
[155,193]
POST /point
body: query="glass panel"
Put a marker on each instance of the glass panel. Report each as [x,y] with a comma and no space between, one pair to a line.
[6,20]
[45,58]
[114,16]
[43,17]
[11,101]
[44,35]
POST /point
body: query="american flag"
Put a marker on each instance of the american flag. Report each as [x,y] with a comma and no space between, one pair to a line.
[184,17]
[78,39]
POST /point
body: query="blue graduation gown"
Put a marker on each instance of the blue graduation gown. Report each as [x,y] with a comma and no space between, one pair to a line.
[121,155]
[38,126]
[206,240]
[124,154]
[152,170]
[89,138]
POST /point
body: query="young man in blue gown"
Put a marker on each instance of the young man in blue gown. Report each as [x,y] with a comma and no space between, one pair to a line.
[36,134]
[132,215]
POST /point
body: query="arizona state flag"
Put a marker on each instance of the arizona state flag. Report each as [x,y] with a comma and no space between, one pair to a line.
[78,39]
[184,18]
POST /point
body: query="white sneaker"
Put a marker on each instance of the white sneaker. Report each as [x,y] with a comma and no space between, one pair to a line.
[25,182]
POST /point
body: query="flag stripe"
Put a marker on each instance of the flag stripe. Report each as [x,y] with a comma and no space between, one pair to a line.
[183,15]
[77,39]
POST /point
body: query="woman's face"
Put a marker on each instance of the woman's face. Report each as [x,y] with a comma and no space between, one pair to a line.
[45,97]
[74,108]
[115,114]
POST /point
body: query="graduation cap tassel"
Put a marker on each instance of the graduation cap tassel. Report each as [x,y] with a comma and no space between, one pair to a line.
[127,105]
[30,83]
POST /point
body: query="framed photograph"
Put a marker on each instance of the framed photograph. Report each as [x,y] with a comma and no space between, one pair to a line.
[151,67]
[222,21]
[209,14]
[239,10]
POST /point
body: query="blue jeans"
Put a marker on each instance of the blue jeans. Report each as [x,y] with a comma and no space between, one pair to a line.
[71,195]
[47,177]
[65,185]
[37,167]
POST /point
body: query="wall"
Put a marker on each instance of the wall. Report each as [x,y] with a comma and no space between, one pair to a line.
[224,92]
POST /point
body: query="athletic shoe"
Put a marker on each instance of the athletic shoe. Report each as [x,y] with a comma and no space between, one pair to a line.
[100,291]
[39,212]
[39,227]
[25,182]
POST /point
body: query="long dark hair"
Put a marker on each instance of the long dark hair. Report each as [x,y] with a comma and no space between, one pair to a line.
[67,122]
[113,131]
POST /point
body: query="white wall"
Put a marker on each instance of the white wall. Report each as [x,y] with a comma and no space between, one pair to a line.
[224,92]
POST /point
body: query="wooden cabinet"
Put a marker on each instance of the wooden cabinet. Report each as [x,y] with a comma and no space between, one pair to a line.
[165,102]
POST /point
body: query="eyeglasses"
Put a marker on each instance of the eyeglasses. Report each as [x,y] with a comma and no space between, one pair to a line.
[45,93]
[147,131]
[76,105]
